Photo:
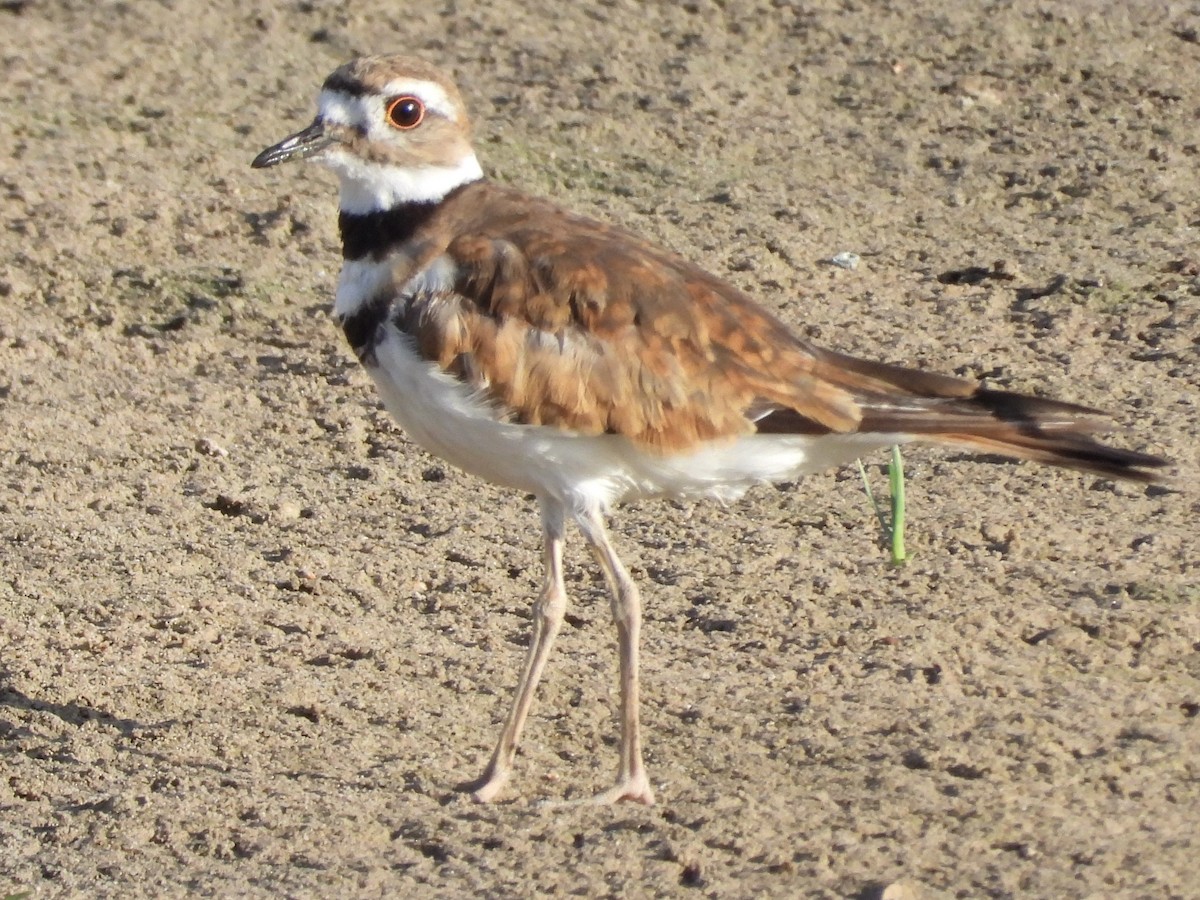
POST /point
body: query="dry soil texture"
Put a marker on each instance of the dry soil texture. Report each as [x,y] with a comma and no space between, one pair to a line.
[251,637]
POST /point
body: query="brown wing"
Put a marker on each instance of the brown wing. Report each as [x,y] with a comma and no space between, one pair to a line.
[564,321]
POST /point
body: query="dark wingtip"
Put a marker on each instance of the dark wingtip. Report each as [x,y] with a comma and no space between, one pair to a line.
[1129,465]
[1068,451]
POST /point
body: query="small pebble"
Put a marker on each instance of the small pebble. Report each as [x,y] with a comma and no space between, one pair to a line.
[209,447]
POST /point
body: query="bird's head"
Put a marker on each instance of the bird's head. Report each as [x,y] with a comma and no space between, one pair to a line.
[394,130]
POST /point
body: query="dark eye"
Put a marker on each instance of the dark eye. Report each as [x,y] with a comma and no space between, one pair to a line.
[405,112]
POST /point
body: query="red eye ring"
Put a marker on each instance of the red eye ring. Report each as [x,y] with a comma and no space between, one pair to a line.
[405,112]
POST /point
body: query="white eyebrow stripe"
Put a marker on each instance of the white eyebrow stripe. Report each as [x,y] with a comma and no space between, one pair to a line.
[432,94]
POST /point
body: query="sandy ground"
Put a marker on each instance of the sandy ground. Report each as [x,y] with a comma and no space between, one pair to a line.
[250,637]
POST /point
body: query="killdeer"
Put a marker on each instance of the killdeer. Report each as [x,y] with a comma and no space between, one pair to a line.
[569,359]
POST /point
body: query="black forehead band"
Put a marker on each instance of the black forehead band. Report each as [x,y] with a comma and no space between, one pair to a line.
[344,84]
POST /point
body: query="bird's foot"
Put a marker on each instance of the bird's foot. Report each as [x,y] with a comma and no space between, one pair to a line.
[634,789]
[486,787]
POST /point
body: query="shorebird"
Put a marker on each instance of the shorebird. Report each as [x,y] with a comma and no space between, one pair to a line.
[555,355]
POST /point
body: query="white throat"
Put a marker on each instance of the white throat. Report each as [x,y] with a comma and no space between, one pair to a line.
[371,187]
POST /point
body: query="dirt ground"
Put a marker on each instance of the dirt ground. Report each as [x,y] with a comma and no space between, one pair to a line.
[251,637]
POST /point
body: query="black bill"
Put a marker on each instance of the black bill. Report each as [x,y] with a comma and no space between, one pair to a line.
[300,145]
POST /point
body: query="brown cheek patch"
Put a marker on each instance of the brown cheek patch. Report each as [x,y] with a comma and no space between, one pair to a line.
[437,142]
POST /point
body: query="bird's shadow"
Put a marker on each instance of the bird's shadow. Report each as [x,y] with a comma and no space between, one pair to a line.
[77,714]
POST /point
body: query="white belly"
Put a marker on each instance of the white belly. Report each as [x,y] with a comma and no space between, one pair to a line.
[449,420]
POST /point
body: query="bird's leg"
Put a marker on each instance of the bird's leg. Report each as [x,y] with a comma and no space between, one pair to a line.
[548,612]
[632,783]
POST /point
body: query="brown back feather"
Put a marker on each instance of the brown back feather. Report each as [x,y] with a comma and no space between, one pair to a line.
[572,323]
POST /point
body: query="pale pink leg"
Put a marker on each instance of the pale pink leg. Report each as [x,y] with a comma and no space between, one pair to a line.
[548,612]
[632,783]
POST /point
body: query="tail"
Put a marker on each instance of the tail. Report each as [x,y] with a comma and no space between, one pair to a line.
[941,409]
[1054,441]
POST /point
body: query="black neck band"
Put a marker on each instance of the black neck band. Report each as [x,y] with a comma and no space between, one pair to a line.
[375,233]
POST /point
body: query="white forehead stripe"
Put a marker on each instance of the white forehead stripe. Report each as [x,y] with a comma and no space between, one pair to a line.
[342,109]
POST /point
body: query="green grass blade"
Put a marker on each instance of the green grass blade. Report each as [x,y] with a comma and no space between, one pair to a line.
[883,523]
[896,483]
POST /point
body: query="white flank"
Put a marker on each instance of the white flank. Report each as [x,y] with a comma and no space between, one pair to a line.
[453,422]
